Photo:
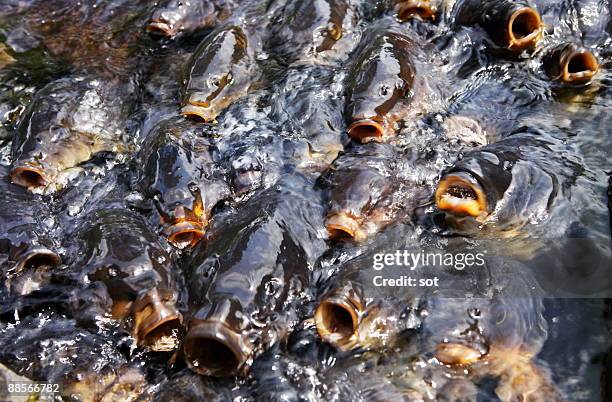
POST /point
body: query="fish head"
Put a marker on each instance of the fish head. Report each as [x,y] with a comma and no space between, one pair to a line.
[344,320]
[382,79]
[477,183]
[43,156]
[215,344]
[338,315]
[571,64]
[172,17]
[425,10]
[523,28]
[157,321]
[178,177]
[358,196]
[183,216]
[215,75]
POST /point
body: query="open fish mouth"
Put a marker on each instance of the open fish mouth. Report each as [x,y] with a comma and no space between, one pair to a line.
[461,194]
[199,112]
[416,9]
[30,177]
[160,28]
[337,320]
[342,225]
[366,130]
[185,234]
[212,348]
[524,28]
[156,322]
[38,257]
[579,67]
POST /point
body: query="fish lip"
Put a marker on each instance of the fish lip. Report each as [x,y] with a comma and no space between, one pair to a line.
[153,317]
[416,9]
[475,207]
[529,17]
[199,113]
[332,320]
[30,176]
[586,59]
[233,349]
[456,354]
[365,130]
[185,234]
[160,28]
[342,224]
[40,253]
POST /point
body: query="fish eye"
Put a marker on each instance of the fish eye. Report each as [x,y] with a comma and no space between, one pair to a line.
[214,82]
[193,187]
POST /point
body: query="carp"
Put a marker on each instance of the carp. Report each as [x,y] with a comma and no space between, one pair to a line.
[174,17]
[380,87]
[514,25]
[69,122]
[253,163]
[362,188]
[26,242]
[243,279]
[79,364]
[318,30]
[124,264]
[182,177]
[311,110]
[570,64]
[491,334]
[220,72]
[509,183]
